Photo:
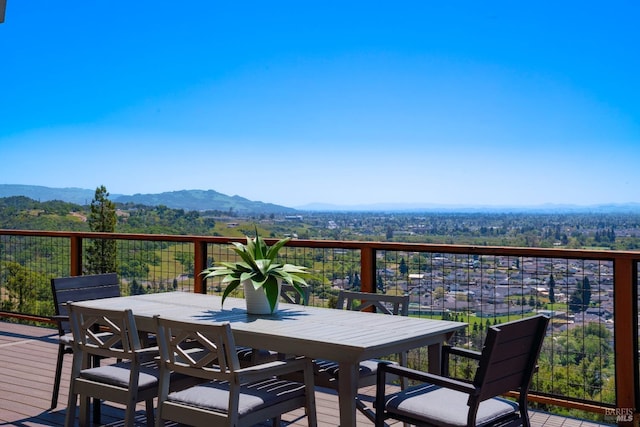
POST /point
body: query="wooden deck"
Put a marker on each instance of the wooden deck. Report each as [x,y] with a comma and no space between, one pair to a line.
[27,365]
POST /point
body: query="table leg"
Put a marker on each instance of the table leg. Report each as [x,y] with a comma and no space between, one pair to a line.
[434,352]
[347,393]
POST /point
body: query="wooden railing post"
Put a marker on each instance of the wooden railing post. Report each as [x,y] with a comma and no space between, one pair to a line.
[199,264]
[75,254]
[368,269]
[626,340]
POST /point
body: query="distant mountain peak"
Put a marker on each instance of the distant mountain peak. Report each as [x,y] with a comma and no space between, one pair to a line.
[196,200]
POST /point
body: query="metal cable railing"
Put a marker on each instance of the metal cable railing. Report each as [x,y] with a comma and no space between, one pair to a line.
[589,360]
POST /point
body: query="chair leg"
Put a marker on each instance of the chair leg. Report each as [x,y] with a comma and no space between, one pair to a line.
[56,381]
[70,417]
[150,415]
[159,419]
[130,415]
[97,415]
[85,416]
[310,411]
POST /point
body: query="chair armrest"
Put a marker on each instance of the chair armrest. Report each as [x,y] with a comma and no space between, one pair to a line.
[459,351]
[425,377]
[59,318]
[147,354]
[448,351]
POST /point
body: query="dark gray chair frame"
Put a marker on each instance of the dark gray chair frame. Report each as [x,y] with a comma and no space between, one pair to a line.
[252,356]
[102,333]
[374,302]
[205,351]
[290,295]
[75,288]
[506,363]
[326,371]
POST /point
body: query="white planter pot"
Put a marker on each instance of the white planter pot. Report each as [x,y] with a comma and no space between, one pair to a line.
[256,299]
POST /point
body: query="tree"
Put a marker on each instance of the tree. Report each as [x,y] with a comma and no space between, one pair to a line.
[136,289]
[403,267]
[101,253]
[552,292]
[575,301]
[438,293]
[21,284]
[586,292]
[581,297]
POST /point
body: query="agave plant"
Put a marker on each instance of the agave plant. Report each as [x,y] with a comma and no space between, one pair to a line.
[258,265]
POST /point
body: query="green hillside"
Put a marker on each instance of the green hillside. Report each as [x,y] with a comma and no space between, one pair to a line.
[192,200]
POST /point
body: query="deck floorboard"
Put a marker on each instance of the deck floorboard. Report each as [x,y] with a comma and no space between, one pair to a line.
[27,365]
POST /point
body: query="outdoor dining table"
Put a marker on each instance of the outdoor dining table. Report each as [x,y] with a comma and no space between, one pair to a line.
[343,336]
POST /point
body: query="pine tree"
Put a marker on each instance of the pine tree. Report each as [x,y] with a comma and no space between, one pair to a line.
[552,291]
[403,267]
[101,253]
[586,292]
[576,302]
[581,297]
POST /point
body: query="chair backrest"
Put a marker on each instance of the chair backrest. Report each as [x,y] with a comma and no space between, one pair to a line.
[381,303]
[510,356]
[198,349]
[290,295]
[104,333]
[81,288]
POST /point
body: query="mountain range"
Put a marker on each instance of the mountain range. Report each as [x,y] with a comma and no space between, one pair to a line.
[203,200]
[199,200]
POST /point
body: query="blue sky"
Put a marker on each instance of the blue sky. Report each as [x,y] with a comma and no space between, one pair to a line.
[295,102]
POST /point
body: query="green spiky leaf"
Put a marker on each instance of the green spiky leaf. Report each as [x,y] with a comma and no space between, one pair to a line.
[258,265]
